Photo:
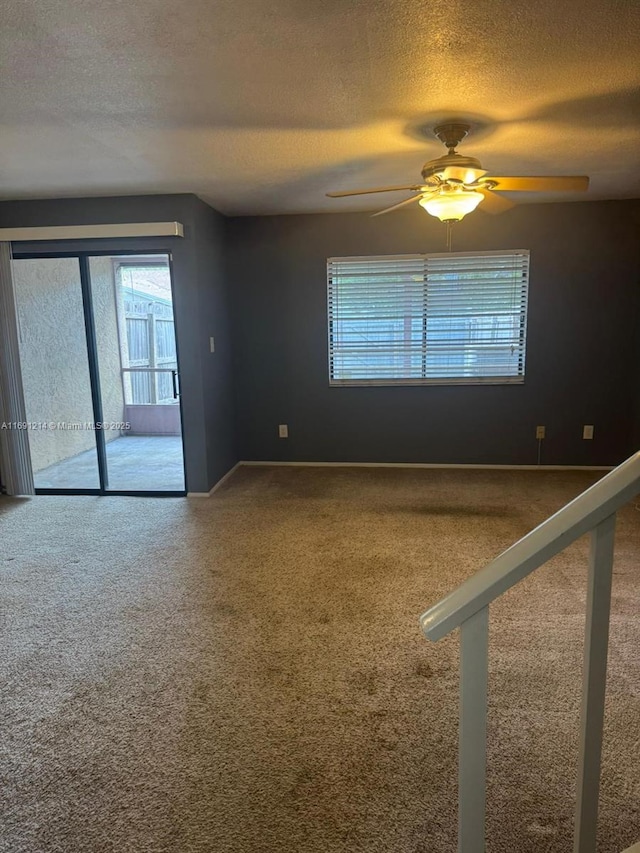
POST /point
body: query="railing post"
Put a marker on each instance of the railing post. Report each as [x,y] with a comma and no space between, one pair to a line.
[472,769]
[594,680]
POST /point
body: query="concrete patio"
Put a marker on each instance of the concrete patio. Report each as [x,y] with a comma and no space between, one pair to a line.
[134,463]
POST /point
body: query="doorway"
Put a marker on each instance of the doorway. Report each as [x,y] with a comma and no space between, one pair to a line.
[100,368]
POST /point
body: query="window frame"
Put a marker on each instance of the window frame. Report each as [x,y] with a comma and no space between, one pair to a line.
[421,381]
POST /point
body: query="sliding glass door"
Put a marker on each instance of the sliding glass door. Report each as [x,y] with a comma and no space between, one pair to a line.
[138,365]
[100,369]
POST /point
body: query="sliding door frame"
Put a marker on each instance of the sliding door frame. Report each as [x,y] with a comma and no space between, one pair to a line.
[83,258]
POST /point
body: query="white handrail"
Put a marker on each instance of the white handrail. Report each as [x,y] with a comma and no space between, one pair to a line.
[584,513]
[468,608]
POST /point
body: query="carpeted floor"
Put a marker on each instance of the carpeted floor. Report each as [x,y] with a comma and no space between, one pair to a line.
[245,674]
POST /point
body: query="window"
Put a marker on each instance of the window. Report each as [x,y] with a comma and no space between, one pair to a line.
[149,356]
[428,319]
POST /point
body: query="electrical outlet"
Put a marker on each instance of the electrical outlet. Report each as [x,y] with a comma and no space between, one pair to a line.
[540,432]
[212,344]
[283,431]
[587,431]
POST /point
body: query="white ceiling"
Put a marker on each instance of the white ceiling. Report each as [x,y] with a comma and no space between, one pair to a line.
[262,106]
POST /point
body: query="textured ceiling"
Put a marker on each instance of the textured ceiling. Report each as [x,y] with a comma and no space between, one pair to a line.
[262,107]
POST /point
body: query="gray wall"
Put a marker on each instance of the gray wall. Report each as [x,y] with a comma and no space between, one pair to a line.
[581,351]
[196,295]
[582,345]
[214,316]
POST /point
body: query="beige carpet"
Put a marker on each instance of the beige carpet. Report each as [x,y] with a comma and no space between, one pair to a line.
[246,673]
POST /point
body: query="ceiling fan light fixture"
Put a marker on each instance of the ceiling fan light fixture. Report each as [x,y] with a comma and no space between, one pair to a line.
[451,205]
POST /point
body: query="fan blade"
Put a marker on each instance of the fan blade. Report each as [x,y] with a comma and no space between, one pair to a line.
[494,203]
[376,190]
[566,183]
[400,204]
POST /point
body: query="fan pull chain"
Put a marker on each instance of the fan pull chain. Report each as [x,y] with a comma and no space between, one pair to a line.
[449,234]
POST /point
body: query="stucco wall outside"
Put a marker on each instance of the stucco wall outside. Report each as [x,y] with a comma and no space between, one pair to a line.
[54,354]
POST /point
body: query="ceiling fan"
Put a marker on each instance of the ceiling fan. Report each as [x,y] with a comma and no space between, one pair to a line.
[454,185]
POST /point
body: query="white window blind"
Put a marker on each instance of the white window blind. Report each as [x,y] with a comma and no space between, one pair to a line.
[428,319]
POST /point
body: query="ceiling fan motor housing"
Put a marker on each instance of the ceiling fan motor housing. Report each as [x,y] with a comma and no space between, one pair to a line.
[453,167]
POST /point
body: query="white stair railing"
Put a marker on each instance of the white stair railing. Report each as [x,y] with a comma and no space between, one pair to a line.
[467,608]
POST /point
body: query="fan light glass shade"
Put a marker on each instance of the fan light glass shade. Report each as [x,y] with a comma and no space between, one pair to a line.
[452,206]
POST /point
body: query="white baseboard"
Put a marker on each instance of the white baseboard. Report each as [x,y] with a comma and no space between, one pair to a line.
[445,465]
[217,485]
[251,463]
